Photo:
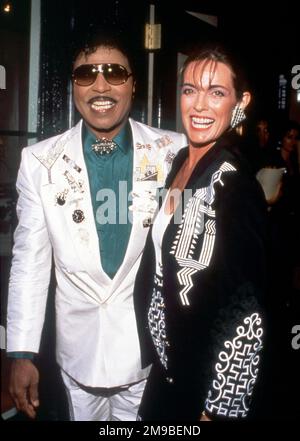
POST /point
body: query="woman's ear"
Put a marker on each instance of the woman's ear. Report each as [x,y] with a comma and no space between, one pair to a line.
[246,98]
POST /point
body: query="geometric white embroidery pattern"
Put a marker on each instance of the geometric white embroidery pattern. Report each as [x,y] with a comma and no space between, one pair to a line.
[53,153]
[236,371]
[192,225]
[156,320]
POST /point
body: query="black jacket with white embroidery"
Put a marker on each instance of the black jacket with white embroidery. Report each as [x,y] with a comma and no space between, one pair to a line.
[206,319]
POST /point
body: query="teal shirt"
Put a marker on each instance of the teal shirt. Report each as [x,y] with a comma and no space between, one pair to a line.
[111,211]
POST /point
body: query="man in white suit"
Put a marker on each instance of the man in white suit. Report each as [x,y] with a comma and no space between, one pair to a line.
[73,193]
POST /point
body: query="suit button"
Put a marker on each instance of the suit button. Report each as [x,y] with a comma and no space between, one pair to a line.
[170,380]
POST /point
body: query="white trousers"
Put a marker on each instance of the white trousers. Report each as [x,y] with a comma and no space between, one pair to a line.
[103,404]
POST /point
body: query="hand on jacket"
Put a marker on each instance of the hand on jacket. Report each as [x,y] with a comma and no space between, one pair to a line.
[23,386]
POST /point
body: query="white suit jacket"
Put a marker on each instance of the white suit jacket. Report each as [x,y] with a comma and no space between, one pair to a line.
[97,341]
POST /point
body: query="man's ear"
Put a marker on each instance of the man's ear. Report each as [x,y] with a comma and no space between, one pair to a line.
[133,89]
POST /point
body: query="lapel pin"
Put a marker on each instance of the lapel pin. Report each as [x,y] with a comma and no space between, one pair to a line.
[61,197]
[78,216]
[147,222]
[72,163]
[75,185]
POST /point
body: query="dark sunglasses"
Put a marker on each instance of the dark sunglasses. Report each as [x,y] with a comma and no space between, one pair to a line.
[114,74]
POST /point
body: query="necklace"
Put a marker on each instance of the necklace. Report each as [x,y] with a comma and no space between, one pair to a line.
[104,146]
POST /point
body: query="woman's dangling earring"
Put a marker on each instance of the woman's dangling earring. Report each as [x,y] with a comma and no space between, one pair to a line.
[238,115]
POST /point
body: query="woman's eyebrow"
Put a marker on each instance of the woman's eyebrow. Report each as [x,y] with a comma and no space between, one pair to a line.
[188,84]
[217,85]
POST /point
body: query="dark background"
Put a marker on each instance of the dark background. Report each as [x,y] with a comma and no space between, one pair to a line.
[264,36]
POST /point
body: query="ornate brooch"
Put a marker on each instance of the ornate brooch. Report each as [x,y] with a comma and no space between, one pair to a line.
[104,146]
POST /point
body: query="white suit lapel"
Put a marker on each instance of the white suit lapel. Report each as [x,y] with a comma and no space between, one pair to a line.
[71,174]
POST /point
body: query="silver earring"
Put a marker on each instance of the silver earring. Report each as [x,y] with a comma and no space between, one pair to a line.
[238,115]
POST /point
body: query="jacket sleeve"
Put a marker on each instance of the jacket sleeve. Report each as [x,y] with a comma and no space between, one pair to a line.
[238,329]
[31,265]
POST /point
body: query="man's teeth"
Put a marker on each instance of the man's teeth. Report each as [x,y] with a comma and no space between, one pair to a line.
[102,105]
[201,123]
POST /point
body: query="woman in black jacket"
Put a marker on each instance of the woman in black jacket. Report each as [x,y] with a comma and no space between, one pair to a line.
[199,287]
